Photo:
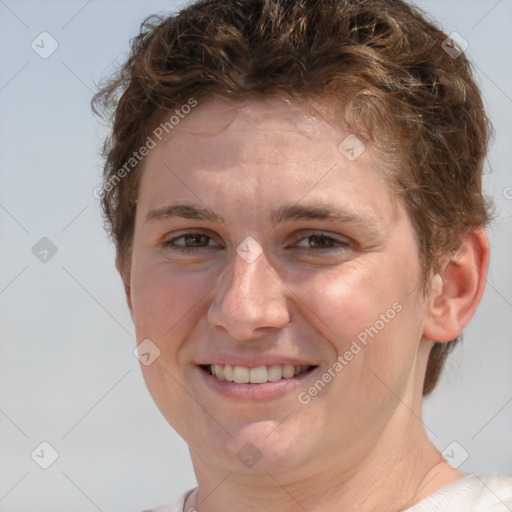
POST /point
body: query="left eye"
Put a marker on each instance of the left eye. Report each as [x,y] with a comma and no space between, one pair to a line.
[189,241]
[320,241]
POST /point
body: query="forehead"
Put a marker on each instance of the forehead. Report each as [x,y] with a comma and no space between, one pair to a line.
[259,151]
[215,114]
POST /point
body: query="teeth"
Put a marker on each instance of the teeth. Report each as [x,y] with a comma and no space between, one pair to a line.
[274,373]
[219,372]
[257,375]
[241,374]
[288,371]
[228,372]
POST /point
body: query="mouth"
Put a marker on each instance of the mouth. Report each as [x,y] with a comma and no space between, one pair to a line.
[257,375]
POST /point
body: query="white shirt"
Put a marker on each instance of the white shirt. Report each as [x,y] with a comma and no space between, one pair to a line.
[473,493]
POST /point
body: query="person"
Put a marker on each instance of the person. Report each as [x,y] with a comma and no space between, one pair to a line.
[294,189]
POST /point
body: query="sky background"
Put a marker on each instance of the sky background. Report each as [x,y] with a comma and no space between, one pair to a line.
[68,375]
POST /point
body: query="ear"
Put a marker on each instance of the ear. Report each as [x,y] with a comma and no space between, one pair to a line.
[458,287]
[126,283]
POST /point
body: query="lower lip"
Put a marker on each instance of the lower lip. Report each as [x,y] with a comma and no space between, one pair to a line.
[266,391]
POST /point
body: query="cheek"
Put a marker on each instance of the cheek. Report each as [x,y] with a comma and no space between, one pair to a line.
[369,317]
[165,300]
[343,302]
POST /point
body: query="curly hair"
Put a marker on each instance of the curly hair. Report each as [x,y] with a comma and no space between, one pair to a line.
[382,62]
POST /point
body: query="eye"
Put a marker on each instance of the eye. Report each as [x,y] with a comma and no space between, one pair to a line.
[189,242]
[321,241]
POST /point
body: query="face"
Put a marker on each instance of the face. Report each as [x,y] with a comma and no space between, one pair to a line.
[279,279]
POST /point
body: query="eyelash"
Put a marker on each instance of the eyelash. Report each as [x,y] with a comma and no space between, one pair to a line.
[170,244]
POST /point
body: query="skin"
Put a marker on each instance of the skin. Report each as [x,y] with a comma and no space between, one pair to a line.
[360,444]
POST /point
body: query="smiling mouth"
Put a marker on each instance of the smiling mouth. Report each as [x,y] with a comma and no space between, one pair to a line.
[257,375]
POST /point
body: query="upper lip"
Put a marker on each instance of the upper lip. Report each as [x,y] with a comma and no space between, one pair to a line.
[255,361]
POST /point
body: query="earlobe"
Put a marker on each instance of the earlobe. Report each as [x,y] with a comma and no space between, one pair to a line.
[126,283]
[458,287]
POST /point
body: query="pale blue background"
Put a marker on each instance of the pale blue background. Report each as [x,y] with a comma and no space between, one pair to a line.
[66,336]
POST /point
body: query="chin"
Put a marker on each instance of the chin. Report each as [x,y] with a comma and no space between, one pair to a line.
[259,447]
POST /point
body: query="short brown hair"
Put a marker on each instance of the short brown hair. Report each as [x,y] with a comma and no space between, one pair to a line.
[380,60]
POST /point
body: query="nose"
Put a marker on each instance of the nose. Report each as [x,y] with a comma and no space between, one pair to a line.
[250,300]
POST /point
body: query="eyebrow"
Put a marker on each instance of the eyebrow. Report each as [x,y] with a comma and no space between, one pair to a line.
[185,211]
[317,212]
[291,212]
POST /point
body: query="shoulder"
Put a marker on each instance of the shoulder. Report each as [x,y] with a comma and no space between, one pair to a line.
[473,493]
[177,506]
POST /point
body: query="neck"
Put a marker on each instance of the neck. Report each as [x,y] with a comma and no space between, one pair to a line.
[413,469]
